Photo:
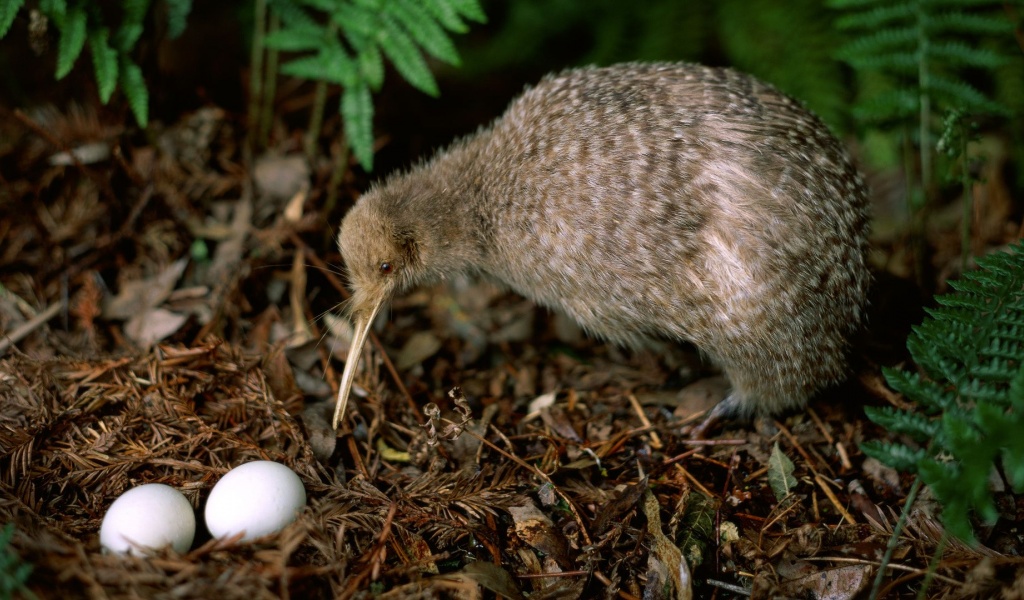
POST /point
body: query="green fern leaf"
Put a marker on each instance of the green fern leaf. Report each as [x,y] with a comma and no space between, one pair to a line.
[957,54]
[56,10]
[951,485]
[295,39]
[72,40]
[1013,452]
[965,94]
[855,4]
[104,62]
[371,66]
[881,42]
[357,114]
[445,14]
[961,22]
[424,30]
[177,16]
[293,15]
[402,52]
[331,64]
[918,426]
[134,87]
[8,10]
[898,62]
[358,20]
[877,17]
[469,9]
[897,456]
[891,106]
[132,25]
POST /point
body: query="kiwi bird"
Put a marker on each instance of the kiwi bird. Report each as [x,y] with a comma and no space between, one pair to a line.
[644,200]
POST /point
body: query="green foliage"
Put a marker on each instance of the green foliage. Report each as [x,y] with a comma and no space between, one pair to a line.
[13,572]
[970,400]
[923,48]
[344,42]
[82,23]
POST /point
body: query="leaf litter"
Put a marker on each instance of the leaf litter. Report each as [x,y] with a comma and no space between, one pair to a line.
[189,328]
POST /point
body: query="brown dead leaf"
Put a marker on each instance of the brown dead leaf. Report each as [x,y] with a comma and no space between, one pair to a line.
[136,297]
[153,325]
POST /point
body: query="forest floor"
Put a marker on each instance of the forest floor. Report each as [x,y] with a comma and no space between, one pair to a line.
[169,310]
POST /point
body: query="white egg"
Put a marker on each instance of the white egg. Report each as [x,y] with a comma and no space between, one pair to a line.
[152,516]
[258,498]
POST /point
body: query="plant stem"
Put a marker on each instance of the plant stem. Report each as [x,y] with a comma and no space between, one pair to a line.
[316,120]
[920,214]
[966,184]
[269,87]
[894,539]
[337,175]
[259,30]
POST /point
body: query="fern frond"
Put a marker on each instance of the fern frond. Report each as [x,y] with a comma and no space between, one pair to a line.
[446,15]
[128,34]
[424,30]
[177,16]
[855,4]
[72,40]
[296,38]
[887,107]
[876,17]
[469,9]
[880,42]
[402,52]
[897,456]
[104,61]
[918,426]
[8,10]
[972,348]
[371,66]
[134,87]
[957,54]
[357,114]
[961,22]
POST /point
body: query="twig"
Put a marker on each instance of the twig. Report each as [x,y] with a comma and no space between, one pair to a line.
[538,473]
[29,326]
[41,131]
[655,438]
[823,484]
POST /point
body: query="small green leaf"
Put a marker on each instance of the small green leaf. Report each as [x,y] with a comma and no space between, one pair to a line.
[446,15]
[406,57]
[132,25]
[294,39]
[357,19]
[421,26]
[876,17]
[371,66]
[357,114]
[134,87]
[780,473]
[56,10]
[469,9]
[8,10]
[104,62]
[177,16]
[72,40]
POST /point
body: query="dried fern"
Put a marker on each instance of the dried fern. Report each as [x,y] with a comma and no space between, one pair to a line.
[970,397]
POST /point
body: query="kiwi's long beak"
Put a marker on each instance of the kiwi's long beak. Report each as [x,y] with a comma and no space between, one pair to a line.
[363,322]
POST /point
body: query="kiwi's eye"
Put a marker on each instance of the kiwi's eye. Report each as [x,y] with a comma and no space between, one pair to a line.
[386,268]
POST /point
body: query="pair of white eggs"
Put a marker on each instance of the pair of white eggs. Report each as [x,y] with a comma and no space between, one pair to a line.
[257,498]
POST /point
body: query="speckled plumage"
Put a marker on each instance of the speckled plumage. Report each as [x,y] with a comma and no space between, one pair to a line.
[645,200]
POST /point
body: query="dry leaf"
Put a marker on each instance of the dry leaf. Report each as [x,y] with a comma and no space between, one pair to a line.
[136,297]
